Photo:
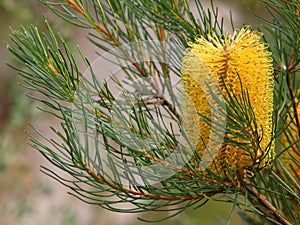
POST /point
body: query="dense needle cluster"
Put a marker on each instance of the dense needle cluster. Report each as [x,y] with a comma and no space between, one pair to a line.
[238,62]
[291,157]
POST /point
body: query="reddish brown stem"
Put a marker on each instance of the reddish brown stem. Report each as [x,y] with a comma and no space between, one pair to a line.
[295,65]
[271,210]
[183,170]
[169,105]
[137,193]
[71,2]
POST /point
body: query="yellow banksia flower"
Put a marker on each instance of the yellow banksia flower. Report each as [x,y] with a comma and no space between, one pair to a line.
[239,61]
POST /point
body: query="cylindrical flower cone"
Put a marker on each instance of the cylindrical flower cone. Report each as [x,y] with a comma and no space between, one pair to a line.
[238,62]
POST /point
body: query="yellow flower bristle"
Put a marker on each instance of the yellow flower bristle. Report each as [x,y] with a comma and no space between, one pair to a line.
[237,60]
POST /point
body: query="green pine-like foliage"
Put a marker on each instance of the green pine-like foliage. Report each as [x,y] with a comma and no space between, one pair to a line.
[121,137]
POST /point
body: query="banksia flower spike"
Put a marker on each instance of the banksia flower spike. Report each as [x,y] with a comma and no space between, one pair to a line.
[230,64]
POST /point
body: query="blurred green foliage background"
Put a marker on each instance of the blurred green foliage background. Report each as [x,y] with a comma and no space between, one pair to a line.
[27,197]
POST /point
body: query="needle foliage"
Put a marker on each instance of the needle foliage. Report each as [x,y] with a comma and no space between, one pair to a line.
[121,136]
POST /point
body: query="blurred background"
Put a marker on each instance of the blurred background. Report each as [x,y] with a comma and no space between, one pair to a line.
[27,196]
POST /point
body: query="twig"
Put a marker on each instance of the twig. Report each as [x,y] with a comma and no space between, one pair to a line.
[295,65]
[137,193]
[268,205]
[169,105]
[183,170]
